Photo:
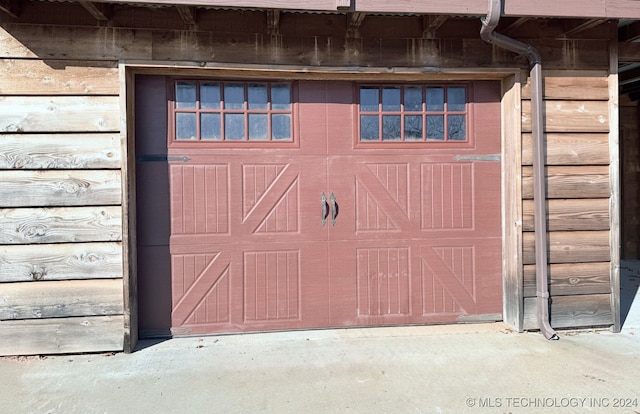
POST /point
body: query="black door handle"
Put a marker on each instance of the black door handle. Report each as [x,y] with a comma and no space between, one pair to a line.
[334,209]
[325,209]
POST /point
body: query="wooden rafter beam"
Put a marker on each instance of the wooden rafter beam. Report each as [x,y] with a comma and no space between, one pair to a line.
[628,52]
[98,12]
[431,24]
[273,21]
[629,76]
[629,32]
[188,14]
[353,23]
[517,23]
[10,7]
[582,27]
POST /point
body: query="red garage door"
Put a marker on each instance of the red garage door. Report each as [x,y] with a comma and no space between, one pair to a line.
[325,204]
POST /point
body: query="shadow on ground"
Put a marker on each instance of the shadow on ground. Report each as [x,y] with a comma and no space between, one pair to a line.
[629,283]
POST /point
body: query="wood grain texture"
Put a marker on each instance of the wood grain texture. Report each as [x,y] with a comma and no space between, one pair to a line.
[572,311]
[240,42]
[570,116]
[60,225]
[572,85]
[570,247]
[570,182]
[512,211]
[615,200]
[60,299]
[571,279]
[61,335]
[60,151]
[24,263]
[570,149]
[35,188]
[59,114]
[57,77]
[74,43]
[570,214]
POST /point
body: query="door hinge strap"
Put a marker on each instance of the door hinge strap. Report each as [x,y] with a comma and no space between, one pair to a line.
[160,158]
[490,157]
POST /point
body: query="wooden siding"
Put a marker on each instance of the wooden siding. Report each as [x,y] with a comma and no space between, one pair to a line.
[64,171]
[61,335]
[65,151]
[61,229]
[61,299]
[578,128]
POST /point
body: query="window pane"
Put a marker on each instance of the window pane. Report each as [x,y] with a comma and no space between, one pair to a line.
[413,128]
[391,99]
[233,126]
[435,99]
[456,127]
[281,126]
[456,99]
[280,96]
[258,127]
[435,127]
[369,99]
[257,96]
[185,95]
[210,96]
[185,125]
[413,99]
[391,128]
[210,126]
[369,128]
[233,96]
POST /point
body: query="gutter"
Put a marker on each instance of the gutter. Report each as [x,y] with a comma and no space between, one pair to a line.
[487,33]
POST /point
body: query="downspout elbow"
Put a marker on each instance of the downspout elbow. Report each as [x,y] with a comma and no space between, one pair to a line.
[488,34]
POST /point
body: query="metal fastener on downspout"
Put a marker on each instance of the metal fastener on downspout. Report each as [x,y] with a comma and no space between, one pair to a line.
[489,24]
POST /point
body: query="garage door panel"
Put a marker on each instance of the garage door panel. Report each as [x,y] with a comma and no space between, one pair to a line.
[200,288]
[412,234]
[270,194]
[199,200]
[429,281]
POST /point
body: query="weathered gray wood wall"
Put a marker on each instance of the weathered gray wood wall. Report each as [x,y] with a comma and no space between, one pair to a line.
[63,171]
[61,263]
[579,191]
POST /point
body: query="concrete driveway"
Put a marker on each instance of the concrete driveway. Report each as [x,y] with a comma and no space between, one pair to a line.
[448,369]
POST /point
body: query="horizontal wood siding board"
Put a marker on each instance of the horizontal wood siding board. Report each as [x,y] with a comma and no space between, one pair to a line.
[572,86]
[570,214]
[59,114]
[572,311]
[571,279]
[570,116]
[569,247]
[60,225]
[61,299]
[56,77]
[61,335]
[570,182]
[60,188]
[60,151]
[74,43]
[25,263]
[570,149]
[225,43]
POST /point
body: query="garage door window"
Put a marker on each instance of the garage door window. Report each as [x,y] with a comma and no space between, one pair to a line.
[412,113]
[232,111]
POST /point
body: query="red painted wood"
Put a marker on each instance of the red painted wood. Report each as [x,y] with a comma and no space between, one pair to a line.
[417,238]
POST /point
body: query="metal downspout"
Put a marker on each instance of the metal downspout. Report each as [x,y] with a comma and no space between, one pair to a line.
[489,24]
